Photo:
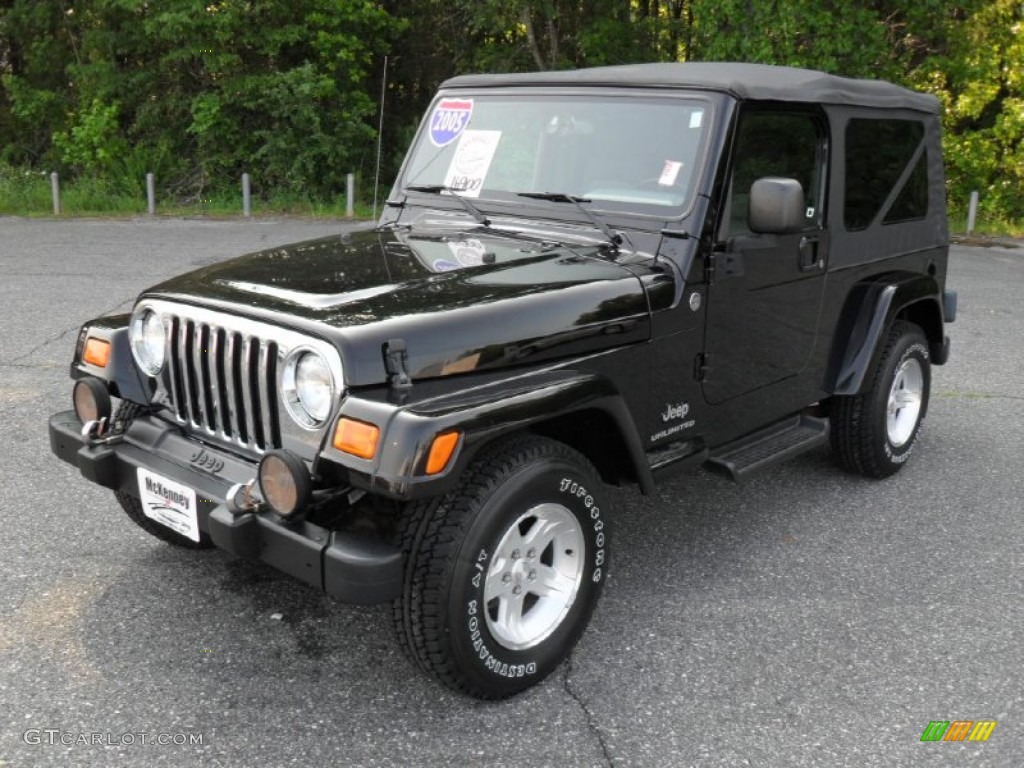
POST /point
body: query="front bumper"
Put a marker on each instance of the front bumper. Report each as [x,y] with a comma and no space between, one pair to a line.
[352,567]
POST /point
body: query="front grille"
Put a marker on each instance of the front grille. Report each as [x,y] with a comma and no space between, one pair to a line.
[223,383]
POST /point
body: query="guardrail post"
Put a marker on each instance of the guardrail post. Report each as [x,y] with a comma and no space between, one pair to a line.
[350,195]
[55,190]
[151,193]
[972,212]
[246,196]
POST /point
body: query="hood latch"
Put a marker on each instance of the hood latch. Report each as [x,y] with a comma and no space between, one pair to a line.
[395,362]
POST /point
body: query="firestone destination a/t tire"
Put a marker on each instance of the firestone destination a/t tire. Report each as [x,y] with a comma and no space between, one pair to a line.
[503,573]
[875,432]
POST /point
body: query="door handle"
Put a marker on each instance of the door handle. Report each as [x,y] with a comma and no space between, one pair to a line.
[809,254]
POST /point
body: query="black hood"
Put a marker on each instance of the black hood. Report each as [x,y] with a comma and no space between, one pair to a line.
[461,300]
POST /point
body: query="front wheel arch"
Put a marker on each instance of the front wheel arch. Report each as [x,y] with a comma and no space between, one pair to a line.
[600,438]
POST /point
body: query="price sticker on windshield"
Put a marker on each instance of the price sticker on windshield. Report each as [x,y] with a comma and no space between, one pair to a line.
[450,118]
[669,173]
[471,162]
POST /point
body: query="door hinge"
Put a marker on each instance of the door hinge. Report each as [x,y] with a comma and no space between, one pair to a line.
[700,367]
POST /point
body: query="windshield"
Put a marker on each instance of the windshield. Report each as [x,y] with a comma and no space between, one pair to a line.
[628,153]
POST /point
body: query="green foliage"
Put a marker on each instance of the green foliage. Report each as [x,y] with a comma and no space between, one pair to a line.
[93,142]
[843,38]
[24,192]
[200,91]
[977,74]
[279,90]
[27,193]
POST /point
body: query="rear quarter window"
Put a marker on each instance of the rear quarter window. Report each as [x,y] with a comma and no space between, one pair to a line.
[886,167]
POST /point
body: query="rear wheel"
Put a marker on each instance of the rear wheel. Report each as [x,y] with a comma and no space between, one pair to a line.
[875,432]
[125,415]
[502,574]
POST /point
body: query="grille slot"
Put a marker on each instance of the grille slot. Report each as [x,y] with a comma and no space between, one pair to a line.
[222,383]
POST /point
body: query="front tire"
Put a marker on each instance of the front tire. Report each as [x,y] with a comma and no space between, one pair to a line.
[875,432]
[503,573]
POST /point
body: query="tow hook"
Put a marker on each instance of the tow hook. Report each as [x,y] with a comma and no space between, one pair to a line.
[242,498]
[95,433]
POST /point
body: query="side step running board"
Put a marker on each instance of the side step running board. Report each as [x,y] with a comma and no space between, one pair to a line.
[768,446]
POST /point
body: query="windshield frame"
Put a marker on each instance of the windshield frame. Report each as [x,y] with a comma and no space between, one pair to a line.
[512,205]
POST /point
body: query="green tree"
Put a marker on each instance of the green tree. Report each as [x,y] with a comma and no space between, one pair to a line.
[199,91]
[202,89]
[846,38]
[974,66]
[36,47]
[278,89]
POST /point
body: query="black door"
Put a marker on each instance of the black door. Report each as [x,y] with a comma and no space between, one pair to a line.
[764,300]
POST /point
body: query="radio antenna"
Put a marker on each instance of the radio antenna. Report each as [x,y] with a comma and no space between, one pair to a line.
[380,136]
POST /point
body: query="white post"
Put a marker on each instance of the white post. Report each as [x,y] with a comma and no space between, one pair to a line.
[972,212]
[55,190]
[151,193]
[350,195]
[246,196]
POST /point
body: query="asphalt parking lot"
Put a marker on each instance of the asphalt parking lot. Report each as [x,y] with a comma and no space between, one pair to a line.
[806,618]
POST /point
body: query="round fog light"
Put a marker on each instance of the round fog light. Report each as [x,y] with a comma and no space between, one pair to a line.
[91,400]
[284,482]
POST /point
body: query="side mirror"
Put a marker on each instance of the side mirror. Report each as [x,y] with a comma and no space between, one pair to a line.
[776,206]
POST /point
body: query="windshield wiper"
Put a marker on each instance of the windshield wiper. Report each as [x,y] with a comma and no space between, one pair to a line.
[437,189]
[615,238]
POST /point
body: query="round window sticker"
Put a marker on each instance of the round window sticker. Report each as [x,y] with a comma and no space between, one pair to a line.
[450,118]
[443,265]
[469,253]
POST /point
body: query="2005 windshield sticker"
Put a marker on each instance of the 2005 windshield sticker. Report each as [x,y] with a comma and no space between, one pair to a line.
[450,118]
[471,162]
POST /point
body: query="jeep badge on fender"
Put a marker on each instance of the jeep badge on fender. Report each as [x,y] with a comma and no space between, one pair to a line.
[580,279]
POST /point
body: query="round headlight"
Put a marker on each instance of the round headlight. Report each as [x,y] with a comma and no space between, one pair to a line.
[149,340]
[308,388]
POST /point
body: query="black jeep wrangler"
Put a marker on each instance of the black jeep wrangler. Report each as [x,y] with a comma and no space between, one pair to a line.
[581,278]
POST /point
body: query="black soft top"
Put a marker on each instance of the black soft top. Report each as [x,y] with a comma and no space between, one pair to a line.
[744,81]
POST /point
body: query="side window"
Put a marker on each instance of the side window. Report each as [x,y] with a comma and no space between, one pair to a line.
[787,144]
[912,202]
[878,153]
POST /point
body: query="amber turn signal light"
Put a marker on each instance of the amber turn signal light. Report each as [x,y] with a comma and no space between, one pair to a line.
[441,451]
[356,437]
[97,352]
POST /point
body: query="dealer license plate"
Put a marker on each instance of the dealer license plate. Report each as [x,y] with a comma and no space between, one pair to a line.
[169,503]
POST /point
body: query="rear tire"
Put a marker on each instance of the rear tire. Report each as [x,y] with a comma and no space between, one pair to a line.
[503,573]
[126,414]
[875,432]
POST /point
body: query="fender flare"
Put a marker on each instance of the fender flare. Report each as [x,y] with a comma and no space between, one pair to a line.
[869,311]
[481,415]
[121,376]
